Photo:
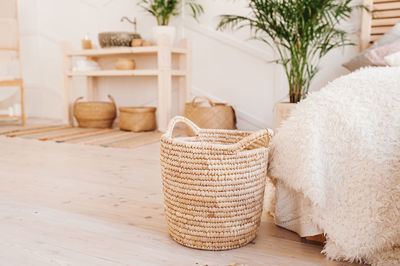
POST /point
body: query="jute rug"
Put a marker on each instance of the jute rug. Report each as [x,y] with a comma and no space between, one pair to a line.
[88,136]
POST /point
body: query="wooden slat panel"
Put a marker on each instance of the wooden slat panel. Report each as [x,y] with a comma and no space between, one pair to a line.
[387,14]
[385,22]
[374,38]
[384,1]
[366,22]
[386,6]
[380,30]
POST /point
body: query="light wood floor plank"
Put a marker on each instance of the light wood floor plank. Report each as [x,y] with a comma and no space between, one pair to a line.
[69,204]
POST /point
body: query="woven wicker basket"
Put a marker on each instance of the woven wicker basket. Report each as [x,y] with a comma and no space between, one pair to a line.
[95,114]
[216,115]
[137,119]
[213,185]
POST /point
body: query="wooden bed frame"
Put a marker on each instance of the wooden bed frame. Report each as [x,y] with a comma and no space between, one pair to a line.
[383,16]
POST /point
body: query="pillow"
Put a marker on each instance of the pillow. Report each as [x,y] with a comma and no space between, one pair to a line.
[377,55]
[362,61]
[393,59]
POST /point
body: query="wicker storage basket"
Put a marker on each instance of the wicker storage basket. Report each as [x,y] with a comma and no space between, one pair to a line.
[213,185]
[216,116]
[137,118]
[95,114]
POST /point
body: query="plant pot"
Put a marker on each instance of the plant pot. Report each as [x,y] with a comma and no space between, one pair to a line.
[283,111]
[159,31]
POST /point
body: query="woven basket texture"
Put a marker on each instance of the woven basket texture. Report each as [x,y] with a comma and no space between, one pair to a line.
[214,116]
[95,114]
[137,119]
[213,185]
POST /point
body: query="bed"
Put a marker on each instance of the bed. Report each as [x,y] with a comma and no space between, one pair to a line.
[292,207]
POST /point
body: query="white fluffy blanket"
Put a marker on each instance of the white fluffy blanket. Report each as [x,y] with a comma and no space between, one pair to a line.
[341,149]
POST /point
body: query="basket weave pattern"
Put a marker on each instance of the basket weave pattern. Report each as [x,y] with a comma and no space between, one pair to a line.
[137,119]
[214,185]
[215,116]
[95,114]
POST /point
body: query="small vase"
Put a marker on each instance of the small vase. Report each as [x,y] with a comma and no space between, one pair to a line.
[160,31]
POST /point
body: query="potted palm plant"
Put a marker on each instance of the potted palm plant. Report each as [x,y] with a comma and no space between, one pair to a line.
[301,32]
[163,10]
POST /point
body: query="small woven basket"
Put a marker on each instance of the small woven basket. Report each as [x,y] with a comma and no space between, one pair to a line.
[137,119]
[213,185]
[216,115]
[95,114]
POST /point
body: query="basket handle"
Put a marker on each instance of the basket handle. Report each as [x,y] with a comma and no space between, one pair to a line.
[204,98]
[112,99]
[181,119]
[247,141]
[78,99]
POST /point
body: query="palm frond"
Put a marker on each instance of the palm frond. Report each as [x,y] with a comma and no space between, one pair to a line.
[300,31]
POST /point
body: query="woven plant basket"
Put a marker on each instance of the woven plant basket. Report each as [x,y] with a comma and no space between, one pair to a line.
[95,114]
[213,185]
[215,116]
[137,119]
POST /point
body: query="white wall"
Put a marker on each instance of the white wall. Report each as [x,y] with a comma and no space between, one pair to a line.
[226,66]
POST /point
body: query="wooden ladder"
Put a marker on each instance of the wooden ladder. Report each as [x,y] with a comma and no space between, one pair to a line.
[9,5]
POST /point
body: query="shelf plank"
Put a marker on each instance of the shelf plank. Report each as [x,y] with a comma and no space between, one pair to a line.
[121,73]
[121,51]
[14,82]
[9,48]
[7,117]
[114,73]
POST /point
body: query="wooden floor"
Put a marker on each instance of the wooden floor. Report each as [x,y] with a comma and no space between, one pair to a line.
[66,204]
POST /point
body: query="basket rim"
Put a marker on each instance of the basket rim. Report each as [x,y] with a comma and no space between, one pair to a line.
[202,145]
[139,109]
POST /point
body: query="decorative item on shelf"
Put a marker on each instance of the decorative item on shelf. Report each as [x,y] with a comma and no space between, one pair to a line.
[83,64]
[137,119]
[216,115]
[86,42]
[214,200]
[163,10]
[14,110]
[112,39]
[300,46]
[95,114]
[137,42]
[147,43]
[125,64]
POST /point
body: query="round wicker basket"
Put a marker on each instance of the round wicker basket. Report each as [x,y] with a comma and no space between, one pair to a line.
[137,119]
[213,185]
[95,114]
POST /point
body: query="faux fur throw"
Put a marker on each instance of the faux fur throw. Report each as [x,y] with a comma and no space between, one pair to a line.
[341,149]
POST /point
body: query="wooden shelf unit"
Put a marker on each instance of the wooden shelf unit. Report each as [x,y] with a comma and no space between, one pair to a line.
[15,82]
[164,73]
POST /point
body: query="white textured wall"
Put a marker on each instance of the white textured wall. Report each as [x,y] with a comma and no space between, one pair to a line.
[226,66]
